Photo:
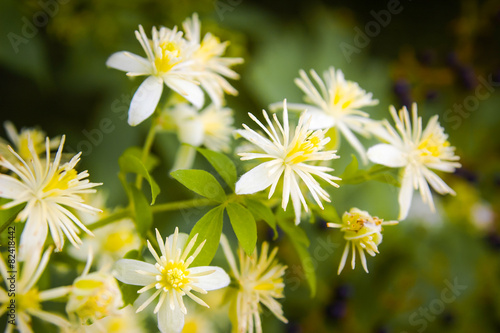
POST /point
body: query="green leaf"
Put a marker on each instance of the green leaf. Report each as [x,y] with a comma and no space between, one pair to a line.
[201,182]
[351,168]
[208,228]
[293,231]
[353,175]
[143,216]
[222,164]
[151,160]
[7,216]
[243,225]
[262,212]
[334,136]
[300,242]
[329,214]
[130,163]
[307,265]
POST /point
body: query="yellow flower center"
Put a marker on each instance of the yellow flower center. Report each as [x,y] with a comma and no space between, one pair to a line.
[341,94]
[173,276]
[118,240]
[28,300]
[38,139]
[190,327]
[208,48]
[432,146]
[98,301]
[168,57]
[301,151]
[60,180]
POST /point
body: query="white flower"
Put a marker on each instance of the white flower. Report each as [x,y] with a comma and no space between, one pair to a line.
[287,155]
[123,321]
[48,189]
[211,127]
[110,243]
[362,232]
[337,103]
[27,296]
[417,152]
[260,280]
[209,63]
[168,61]
[172,278]
[20,142]
[94,296]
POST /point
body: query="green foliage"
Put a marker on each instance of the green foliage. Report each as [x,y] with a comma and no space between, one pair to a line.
[208,228]
[353,175]
[222,164]
[300,242]
[130,163]
[201,182]
[243,225]
[143,216]
[7,216]
[129,292]
[261,212]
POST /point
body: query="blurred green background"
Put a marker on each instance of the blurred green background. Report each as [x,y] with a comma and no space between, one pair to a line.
[444,55]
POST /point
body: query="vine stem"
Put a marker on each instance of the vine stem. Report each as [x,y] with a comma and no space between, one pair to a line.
[178,205]
[121,214]
[146,149]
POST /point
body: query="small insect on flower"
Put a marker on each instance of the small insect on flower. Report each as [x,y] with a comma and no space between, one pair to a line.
[48,189]
[260,281]
[287,154]
[362,233]
[336,103]
[172,278]
[416,151]
[28,298]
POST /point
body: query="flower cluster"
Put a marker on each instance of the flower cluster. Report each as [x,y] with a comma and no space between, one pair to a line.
[288,156]
[181,61]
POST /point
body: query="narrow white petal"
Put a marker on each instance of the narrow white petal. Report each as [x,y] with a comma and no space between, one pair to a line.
[255,180]
[10,187]
[33,236]
[320,119]
[405,194]
[129,62]
[189,90]
[145,100]
[387,155]
[180,244]
[125,270]
[170,321]
[216,280]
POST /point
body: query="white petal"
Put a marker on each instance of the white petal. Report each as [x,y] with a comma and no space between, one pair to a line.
[145,100]
[170,321]
[191,131]
[129,62]
[216,280]
[320,119]
[33,236]
[405,194]
[255,180]
[387,155]
[181,241]
[125,270]
[189,90]
[10,188]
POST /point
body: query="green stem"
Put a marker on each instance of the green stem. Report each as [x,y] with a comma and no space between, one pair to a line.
[178,205]
[146,149]
[110,219]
